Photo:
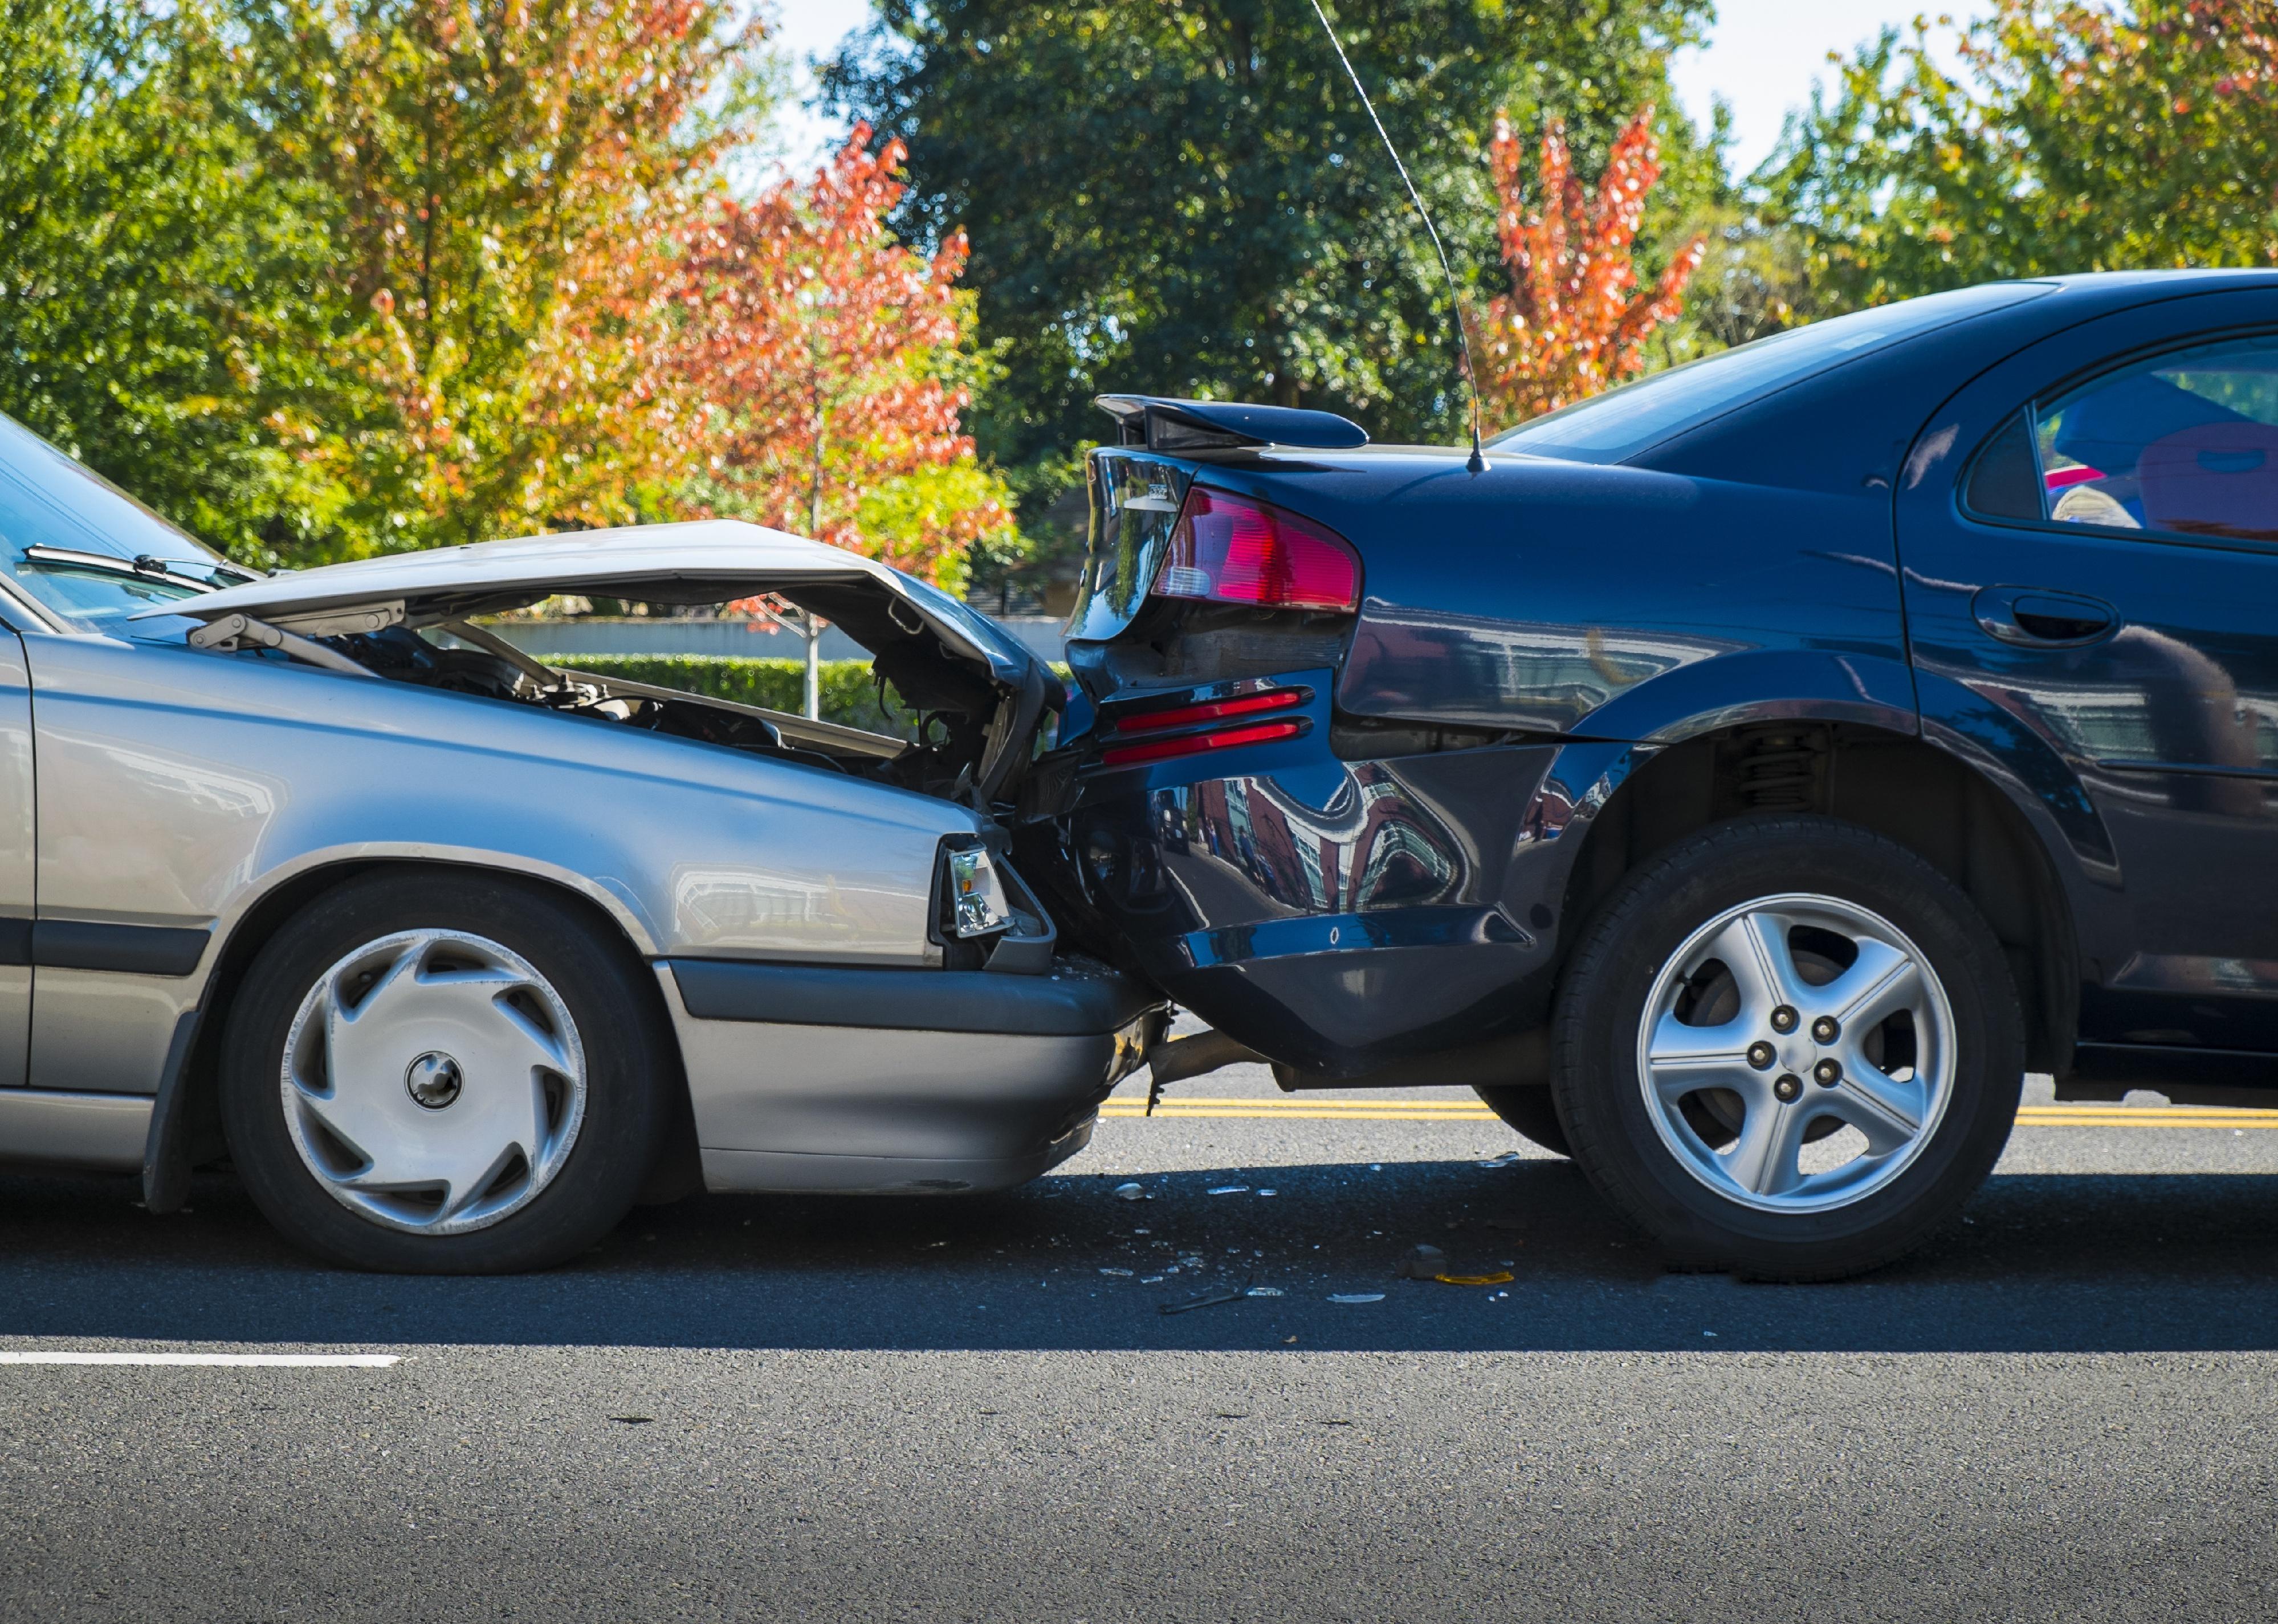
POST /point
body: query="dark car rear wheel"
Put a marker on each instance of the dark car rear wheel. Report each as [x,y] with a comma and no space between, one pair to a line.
[443,1074]
[1529,1112]
[1789,1048]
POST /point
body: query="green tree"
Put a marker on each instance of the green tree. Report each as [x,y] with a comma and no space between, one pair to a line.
[502,184]
[2072,137]
[1184,196]
[151,274]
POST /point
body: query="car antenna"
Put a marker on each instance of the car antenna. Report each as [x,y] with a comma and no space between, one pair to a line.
[1479,463]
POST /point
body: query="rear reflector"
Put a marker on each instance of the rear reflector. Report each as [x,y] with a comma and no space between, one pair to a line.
[1195,744]
[1229,549]
[1217,710]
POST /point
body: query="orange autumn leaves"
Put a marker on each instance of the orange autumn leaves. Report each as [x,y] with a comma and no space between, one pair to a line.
[1574,322]
[812,336]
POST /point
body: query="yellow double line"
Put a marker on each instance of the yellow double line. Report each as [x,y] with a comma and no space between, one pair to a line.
[1464,1110]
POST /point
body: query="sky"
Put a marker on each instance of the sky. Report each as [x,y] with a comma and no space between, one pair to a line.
[1761,58]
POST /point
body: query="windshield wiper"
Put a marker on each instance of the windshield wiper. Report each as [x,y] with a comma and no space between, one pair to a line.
[142,567]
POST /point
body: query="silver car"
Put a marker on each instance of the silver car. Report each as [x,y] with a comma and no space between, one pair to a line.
[454,956]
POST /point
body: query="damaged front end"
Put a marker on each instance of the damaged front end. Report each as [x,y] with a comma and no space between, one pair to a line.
[976,699]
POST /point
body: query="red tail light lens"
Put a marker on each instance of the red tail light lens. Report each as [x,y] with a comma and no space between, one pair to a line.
[1195,744]
[1215,724]
[1229,549]
[1216,710]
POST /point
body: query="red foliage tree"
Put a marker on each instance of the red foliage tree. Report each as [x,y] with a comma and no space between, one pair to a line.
[825,356]
[1573,323]
[826,352]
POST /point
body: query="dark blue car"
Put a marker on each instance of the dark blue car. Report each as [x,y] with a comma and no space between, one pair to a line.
[1743,780]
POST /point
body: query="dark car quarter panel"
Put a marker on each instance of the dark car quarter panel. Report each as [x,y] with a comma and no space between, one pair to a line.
[2154,742]
[1529,640]
[1342,909]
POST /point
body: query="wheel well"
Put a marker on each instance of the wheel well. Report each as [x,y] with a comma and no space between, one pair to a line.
[199,1136]
[1898,786]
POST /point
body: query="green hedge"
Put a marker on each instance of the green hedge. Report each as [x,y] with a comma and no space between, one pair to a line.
[849,694]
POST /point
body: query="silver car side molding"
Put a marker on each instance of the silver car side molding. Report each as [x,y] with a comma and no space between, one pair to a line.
[79,944]
[104,1132]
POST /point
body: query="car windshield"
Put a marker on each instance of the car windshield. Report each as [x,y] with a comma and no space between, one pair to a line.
[87,552]
[1622,422]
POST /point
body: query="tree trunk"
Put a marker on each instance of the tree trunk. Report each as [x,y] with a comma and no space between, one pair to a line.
[814,630]
[813,626]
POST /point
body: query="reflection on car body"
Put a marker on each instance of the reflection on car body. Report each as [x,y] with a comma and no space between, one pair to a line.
[1945,626]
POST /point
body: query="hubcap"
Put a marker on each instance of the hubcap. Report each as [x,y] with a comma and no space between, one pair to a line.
[1838,994]
[433,1081]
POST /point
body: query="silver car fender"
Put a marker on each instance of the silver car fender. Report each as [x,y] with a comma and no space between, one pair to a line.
[177,789]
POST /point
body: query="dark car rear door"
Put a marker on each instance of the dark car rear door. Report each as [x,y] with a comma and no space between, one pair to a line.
[2089,537]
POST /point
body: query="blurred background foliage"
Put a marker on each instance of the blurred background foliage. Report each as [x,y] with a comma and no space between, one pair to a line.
[319,278]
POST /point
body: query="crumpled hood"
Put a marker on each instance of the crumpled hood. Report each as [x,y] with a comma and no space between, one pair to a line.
[710,561]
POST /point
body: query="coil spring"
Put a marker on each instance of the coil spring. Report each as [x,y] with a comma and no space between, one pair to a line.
[1777,776]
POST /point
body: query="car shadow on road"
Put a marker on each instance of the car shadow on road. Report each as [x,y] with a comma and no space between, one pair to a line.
[2059,1264]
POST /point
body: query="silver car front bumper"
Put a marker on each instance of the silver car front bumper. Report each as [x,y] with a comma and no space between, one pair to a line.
[814,1078]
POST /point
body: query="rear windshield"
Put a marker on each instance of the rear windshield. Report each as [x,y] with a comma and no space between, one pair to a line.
[1622,422]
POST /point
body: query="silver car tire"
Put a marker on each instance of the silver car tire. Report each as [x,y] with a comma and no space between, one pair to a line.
[1789,1048]
[446,1071]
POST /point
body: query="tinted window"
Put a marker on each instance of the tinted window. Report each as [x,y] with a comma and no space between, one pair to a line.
[2186,443]
[49,504]
[1622,422]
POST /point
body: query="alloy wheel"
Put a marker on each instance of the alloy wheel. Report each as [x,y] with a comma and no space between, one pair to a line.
[1796,1053]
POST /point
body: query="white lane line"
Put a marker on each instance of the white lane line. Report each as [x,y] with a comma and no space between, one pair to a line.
[325,1361]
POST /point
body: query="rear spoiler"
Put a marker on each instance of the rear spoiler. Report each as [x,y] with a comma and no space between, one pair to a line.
[1160,424]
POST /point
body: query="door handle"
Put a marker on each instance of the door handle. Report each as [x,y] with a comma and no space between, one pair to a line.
[2041,618]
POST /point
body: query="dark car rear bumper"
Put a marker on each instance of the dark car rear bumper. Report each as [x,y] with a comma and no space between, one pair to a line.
[1337,915]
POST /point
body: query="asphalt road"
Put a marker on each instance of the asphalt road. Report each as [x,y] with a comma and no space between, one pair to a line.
[968,1409]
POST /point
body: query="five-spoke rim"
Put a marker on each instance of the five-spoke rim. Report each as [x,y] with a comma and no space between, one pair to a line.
[433,1081]
[1785,1021]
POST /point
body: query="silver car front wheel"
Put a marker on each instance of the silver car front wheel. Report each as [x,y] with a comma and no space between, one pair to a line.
[447,1072]
[433,1081]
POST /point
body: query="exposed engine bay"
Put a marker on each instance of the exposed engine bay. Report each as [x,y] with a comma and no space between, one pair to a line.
[943,759]
[949,706]
[966,699]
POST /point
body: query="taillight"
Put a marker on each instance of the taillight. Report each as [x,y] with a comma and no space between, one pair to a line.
[1218,724]
[1229,549]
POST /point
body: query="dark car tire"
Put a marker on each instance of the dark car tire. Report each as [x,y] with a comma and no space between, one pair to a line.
[445,961]
[1641,1155]
[1529,1112]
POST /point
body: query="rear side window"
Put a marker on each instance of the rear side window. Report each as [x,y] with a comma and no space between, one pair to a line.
[2184,443]
[1635,416]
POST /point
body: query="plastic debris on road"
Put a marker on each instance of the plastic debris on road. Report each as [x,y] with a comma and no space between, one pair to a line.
[1356,1296]
[1131,1192]
[1504,1159]
[1424,1264]
[1205,1300]
[1263,1291]
[1231,1189]
[1502,1276]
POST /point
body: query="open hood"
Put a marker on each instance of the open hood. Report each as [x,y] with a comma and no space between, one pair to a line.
[710,561]
[938,652]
